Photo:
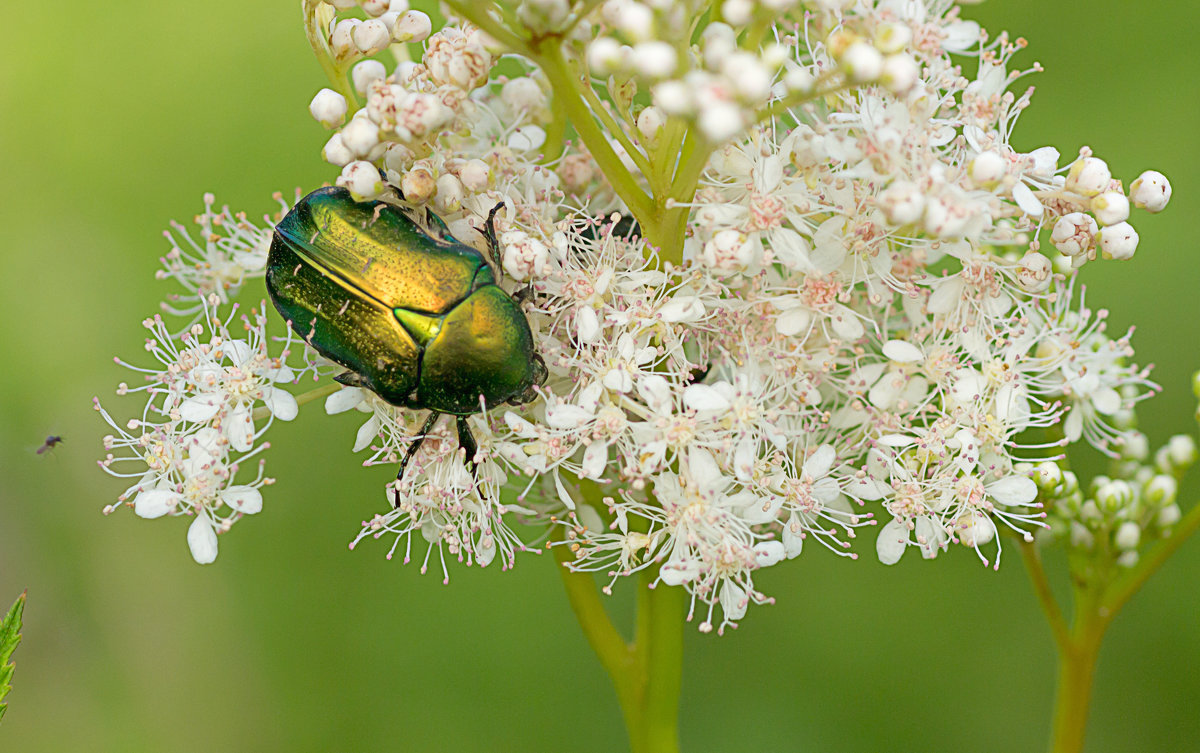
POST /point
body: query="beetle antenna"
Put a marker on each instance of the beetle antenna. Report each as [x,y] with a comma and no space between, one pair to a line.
[489,234]
[412,450]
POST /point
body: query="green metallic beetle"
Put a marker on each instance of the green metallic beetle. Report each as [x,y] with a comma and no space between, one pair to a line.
[418,319]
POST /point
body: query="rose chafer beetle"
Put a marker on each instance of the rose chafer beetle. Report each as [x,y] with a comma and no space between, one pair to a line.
[415,317]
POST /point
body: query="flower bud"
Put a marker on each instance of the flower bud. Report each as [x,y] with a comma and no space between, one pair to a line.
[721,121]
[341,41]
[1074,233]
[987,169]
[525,257]
[1048,476]
[1181,451]
[342,4]
[371,36]
[366,71]
[474,175]
[1135,446]
[1035,273]
[375,8]
[862,62]
[718,41]
[1161,490]
[892,37]
[1118,241]
[654,59]
[1070,484]
[362,178]
[328,107]
[1088,176]
[523,93]
[1128,535]
[360,135]
[605,56]
[449,194]
[899,73]
[1114,495]
[674,97]
[737,12]
[728,251]
[418,184]
[902,202]
[649,121]
[412,26]
[1150,191]
[975,529]
[335,152]
[1110,207]
[1128,559]
[1168,516]
[797,79]
[1196,384]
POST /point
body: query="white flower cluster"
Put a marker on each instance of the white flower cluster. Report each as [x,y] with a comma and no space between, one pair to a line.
[230,250]
[199,425]
[841,316]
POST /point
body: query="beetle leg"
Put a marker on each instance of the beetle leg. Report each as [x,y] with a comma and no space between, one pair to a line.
[466,440]
[412,450]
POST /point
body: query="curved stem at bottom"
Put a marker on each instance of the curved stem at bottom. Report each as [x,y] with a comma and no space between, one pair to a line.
[645,673]
[1076,673]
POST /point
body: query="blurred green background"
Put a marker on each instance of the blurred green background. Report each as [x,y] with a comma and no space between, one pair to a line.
[117,117]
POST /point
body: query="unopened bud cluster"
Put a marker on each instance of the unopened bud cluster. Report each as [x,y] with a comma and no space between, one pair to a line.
[1117,515]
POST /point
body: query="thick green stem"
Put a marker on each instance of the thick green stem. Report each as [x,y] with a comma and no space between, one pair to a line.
[647,673]
[1076,674]
[567,95]
[658,645]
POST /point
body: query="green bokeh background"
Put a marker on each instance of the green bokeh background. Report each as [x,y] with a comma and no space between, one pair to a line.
[117,117]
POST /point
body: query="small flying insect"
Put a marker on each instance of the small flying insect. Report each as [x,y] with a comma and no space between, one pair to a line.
[51,442]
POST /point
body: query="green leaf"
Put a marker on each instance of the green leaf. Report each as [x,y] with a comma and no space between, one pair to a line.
[10,636]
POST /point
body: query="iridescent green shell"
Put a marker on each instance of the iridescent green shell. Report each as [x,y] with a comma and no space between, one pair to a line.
[417,319]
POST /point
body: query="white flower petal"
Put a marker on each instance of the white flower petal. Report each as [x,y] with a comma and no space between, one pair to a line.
[566,416]
[845,323]
[819,463]
[237,351]
[281,403]
[239,427]
[366,433]
[891,542]
[767,553]
[1012,490]
[200,408]
[243,498]
[702,397]
[1107,400]
[595,457]
[733,601]
[202,540]
[903,352]
[587,325]
[344,399]
[155,503]
[1025,199]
